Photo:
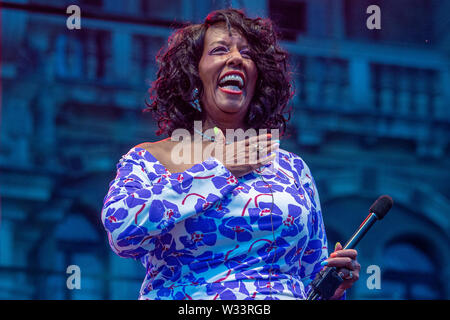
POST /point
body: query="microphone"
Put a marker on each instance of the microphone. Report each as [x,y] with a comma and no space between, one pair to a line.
[377,211]
[328,280]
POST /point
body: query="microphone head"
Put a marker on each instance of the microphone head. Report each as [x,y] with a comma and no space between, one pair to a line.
[381,206]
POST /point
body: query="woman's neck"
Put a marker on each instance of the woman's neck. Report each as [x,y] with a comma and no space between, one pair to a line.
[223,124]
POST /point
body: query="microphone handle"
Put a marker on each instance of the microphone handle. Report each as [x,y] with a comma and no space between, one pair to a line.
[328,280]
[361,231]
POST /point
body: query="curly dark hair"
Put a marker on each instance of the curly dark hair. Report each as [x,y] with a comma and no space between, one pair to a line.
[178,75]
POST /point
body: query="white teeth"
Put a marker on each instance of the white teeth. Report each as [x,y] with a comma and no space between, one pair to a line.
[234,77]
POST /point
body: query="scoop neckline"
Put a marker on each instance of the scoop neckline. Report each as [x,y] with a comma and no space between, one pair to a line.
[165,168]
[157,161]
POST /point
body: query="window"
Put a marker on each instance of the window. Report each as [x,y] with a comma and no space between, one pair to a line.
[410,271]
[75,241]
[322,82]
[92,3]
[405,91]
[85,55]
[165,10]
[402,21]
[144,53]
[289,16]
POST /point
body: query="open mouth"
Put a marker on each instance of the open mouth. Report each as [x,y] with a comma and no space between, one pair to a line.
[232,82]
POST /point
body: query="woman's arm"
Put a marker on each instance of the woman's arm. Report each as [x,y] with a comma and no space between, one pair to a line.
[144,201]
[316,252]
[316,249]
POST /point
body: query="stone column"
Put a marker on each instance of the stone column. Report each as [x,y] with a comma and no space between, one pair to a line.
[360,86]
[121,50]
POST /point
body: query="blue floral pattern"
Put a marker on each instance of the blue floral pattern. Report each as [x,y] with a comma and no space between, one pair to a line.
[205,234]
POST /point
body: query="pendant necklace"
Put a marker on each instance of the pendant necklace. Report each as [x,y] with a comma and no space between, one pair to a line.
[212,139]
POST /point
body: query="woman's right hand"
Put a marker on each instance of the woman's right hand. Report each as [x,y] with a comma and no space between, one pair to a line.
[242,157]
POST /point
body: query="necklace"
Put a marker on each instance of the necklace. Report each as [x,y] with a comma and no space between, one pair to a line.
[271,209]
[274,243]
[208,137]
[204,135]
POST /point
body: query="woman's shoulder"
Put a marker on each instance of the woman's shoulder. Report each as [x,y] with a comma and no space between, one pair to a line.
[289,156]
[153,147]
[141,159]
[300,171]
[293,161]
[145,154]
[150,150]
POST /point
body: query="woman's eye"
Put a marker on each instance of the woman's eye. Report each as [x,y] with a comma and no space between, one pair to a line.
[246,53]
[219,49]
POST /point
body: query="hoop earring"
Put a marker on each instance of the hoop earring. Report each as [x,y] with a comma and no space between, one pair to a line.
[195,103]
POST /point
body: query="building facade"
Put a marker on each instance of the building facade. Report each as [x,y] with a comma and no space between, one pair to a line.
[371,116]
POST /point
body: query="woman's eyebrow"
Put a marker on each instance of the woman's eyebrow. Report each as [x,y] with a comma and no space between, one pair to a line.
[219,42]
[244,45]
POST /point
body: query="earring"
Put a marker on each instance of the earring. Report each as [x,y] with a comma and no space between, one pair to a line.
[195,103]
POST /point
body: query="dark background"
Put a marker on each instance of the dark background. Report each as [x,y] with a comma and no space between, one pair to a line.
[371,117]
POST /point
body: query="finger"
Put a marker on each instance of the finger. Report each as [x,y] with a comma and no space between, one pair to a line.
[273,147]
[338,246]
[351,253]
[266,160]
[262,138]
[343,262]
[245,149]
[343,273]
[219,137]
[249,154]
[347,274]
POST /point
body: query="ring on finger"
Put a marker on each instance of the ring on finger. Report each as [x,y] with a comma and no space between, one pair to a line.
[350,276]
[256,149]
[259,149]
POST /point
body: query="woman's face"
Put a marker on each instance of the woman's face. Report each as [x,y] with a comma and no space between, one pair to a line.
[228,74]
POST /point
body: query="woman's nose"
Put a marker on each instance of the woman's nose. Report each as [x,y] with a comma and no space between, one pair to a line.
[235,58]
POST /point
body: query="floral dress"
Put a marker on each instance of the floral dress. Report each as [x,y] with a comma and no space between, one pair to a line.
[205,234]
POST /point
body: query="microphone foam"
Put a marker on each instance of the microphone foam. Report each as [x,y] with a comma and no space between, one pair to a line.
[381,206]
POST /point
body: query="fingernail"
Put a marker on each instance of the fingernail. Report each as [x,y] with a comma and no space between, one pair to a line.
[271,156]
[216,130]
[276,145]
[333,255]
[324,263]
[269,135]
[337,244]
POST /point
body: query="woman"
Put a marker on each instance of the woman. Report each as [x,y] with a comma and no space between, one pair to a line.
[223,227]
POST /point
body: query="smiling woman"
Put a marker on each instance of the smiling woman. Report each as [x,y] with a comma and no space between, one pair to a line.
[221,229]
[229,76]
[198,55]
